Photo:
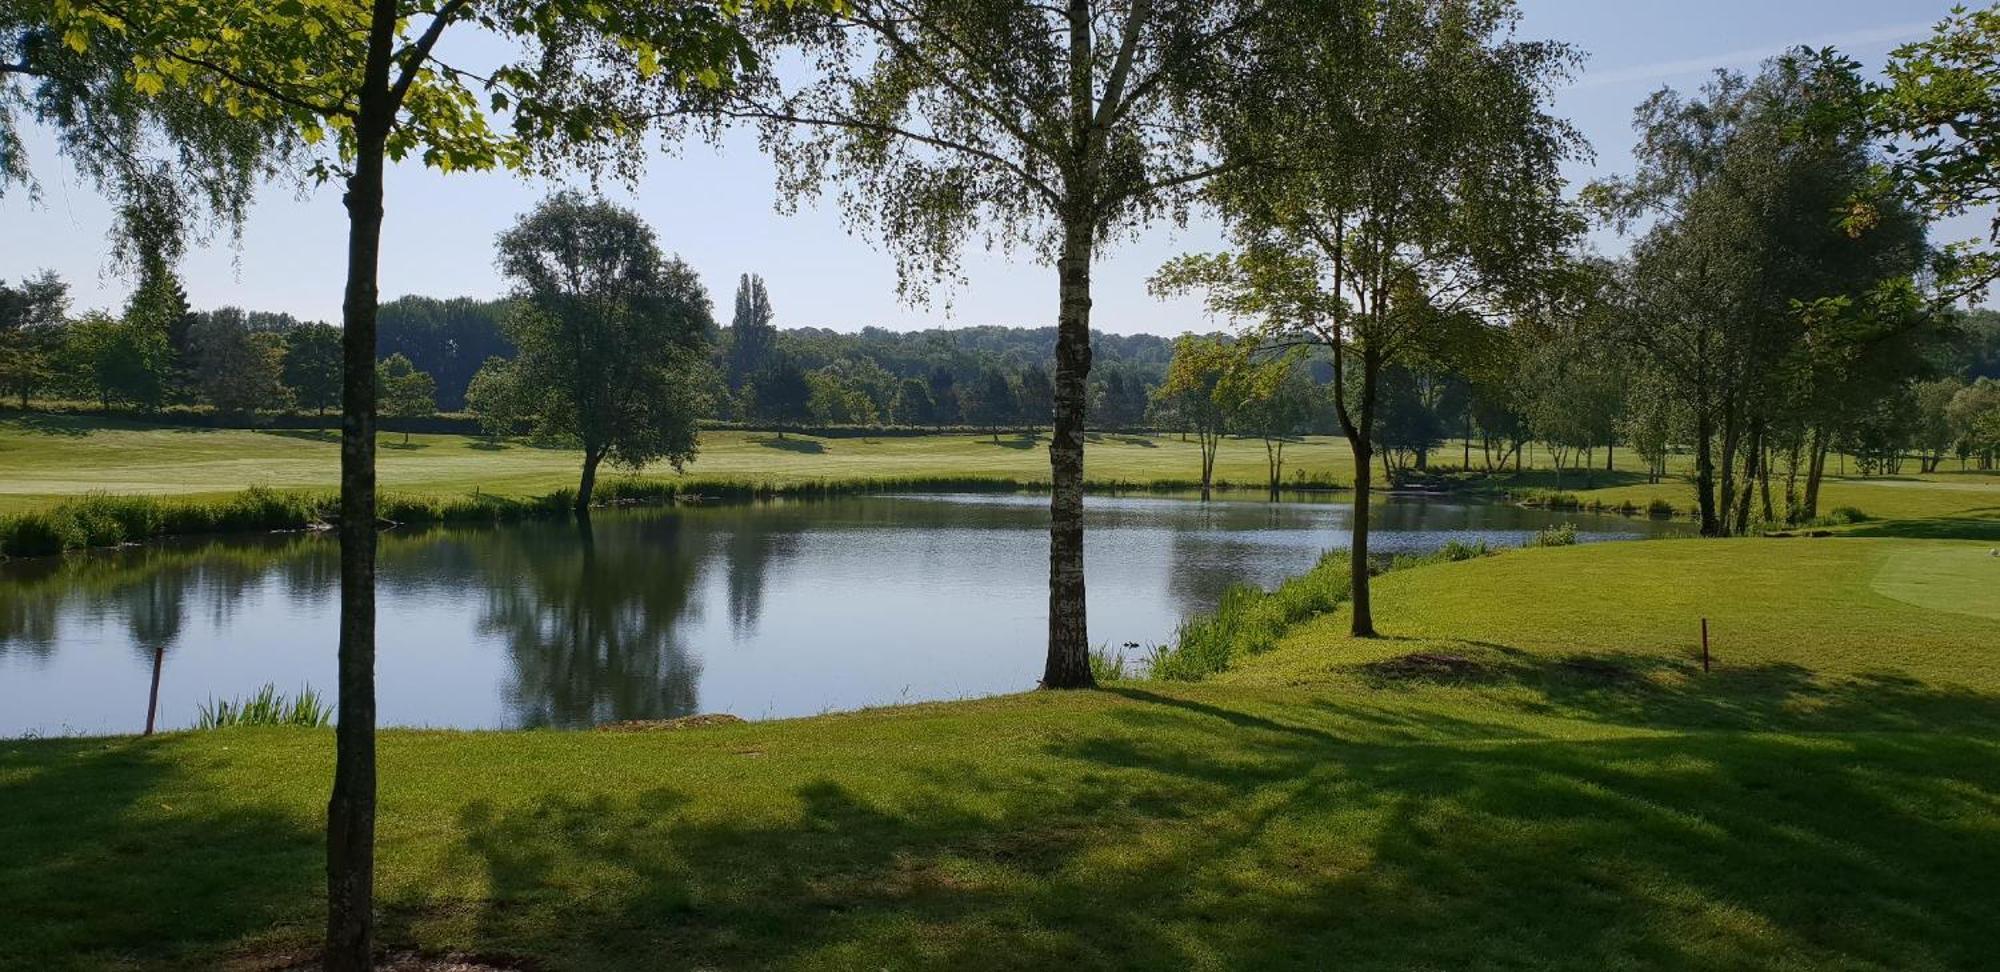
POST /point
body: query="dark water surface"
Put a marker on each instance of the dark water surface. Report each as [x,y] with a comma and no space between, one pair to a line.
[763,610]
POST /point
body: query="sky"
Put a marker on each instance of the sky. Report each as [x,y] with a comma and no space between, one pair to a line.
[714,207]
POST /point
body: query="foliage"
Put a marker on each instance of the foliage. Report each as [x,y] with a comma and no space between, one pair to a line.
[613,336]
[446,339]
[113,360]
[402,391]
[1249,621]
[235,369]
[312,366]
[267,707]
[1940,112]
[752,335]
[1563,535]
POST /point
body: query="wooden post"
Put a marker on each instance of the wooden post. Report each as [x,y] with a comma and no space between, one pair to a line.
[153,700]
[1704,644]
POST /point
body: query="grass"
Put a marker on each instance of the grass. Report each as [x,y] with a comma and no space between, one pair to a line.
[47,459]
[1576,795]
[268,707]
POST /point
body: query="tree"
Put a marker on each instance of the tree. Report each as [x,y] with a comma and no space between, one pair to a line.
[312,366]
[1421,198]
[1774,325]
[1051,123]
[446,339]
[835,399]
[1940,114]
[613,336]
[233,368]
[912,404]
[779,395]
[114,360]
[31,320]
[1038,396]
[1974,414]
[990,402]
[1198,391]
[404,392]
[587,76]
[493,396]
[752,336]
[1272,400]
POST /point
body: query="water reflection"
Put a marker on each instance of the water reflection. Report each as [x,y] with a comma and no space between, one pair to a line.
[764,610]
[592,623]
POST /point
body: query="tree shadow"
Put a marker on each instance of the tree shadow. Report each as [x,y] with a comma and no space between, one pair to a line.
[1980,524]
[1019,440]
[1206,831]
[38,423]
[104,867]
[310,435]
[805,446]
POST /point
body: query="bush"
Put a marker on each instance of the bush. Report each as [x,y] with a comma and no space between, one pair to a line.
[1555,536]
[1845,515]
[1660,509]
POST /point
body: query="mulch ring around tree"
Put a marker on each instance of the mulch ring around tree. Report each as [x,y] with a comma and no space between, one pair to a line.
[1425,665]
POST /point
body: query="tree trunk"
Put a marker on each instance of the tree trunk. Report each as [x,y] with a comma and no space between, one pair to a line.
[1362,623]
[350,811]
[1815,471]
[1704,471]
[1069,643]
[588,485]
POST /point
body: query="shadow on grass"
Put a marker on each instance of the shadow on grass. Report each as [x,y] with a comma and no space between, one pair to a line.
[310,435]
[1021,440]
[1144,442]
[1179,832]
[1570,480]
[1982,524]
[1160,828]
[811,447]
[103,866]
[1650,691]
[69,426]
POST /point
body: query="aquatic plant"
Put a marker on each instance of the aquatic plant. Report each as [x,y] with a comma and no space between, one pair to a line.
[267,707]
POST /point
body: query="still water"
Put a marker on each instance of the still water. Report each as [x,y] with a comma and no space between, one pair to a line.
[763,610]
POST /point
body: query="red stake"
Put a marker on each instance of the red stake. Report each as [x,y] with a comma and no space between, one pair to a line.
[1704,644]
[153,700]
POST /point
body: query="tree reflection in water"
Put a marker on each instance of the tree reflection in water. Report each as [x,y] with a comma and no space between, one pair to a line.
[590,621]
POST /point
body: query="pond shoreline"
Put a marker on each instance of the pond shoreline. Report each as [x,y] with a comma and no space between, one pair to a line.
[96,521]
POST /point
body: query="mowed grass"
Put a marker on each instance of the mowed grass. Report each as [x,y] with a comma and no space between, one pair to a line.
[45,459]
[48,458]
[1578,795]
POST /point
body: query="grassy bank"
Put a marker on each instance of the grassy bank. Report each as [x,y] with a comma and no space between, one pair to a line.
[1529,771]
[48,459]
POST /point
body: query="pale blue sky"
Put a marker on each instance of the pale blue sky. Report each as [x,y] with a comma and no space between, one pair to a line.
[714,208]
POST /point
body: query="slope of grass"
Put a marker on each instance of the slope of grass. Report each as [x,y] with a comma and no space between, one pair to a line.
[1579,796]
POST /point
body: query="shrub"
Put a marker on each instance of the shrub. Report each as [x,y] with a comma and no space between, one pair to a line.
[1660,509]
[1555,536]
[1845,515]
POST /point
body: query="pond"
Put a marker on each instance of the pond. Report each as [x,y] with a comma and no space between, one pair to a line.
[763,610]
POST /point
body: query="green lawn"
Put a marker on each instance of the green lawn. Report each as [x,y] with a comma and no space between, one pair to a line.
[44,459]
[1572,794]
